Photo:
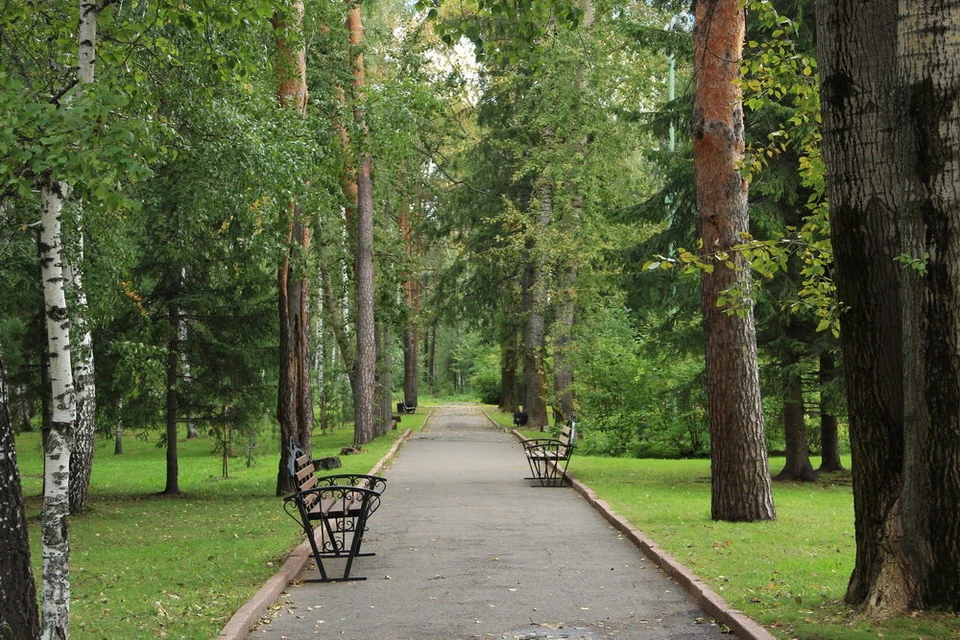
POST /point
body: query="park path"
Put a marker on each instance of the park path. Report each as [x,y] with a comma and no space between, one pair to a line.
[468,549]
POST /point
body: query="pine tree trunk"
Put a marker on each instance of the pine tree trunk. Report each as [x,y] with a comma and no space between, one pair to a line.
[411,331]
[509,354]
[363,271]
[829,437]
[18,592]
[384,381]
[562,367]
[56,480]
[741,483]
[411,364]
[929,74]
[860,130]
[172,487]
[294,389]
[431,349]
[534,302]
[797,466]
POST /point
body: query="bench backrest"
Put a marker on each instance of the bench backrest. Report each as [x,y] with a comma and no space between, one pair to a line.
[567,437]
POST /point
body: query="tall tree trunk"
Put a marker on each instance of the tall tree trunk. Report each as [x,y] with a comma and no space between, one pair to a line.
[295,391]
[431,349]
[741,484]
[509,386]
[172,404]
[118,430]
[18,592]
[411,330]
[860,130]
[797,466]
[534,303]
[563,336]
[929,75]
[384,384]
[56,478]
[81,458]
[829,436]
[363,266]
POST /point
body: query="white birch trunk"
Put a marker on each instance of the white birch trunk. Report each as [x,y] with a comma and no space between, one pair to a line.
[54,519]
[55,609]
[85,389]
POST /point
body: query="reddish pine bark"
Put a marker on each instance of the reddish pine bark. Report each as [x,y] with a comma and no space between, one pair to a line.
[741,484]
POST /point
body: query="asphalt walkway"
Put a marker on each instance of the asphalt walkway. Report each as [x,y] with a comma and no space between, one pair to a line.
[468,549]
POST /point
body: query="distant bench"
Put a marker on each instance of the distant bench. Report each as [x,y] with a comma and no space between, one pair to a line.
[403,407]
[548,457]
[332,510]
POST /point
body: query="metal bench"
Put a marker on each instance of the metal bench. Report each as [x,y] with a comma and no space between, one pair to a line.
[548,457]
[403,407]
[332,510]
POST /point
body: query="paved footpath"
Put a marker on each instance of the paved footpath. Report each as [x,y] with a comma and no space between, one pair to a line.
[468,549]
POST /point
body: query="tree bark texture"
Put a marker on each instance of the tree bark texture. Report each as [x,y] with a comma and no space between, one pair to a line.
[860,130]
[385,408]
[509,386]
[534,302]
[81,459]
[797,466]
[411,331]
[172,401]
[363,266]
[829,437]
[56,479]
[928,54]
[18,592]
[741,483]
[563,337]
[295,390]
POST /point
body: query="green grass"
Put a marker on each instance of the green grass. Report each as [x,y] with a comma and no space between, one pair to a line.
[789,575]
[150,566]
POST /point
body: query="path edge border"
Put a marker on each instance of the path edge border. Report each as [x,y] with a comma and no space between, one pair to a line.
[248,615]
[740,625]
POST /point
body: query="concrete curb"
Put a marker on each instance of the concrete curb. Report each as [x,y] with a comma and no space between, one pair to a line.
[249,614]
[739,624]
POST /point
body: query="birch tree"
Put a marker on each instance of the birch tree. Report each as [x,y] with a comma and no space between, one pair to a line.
[84,373]
[56,480]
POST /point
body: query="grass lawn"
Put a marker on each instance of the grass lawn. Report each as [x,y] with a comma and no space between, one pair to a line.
[789,575]
[150,566]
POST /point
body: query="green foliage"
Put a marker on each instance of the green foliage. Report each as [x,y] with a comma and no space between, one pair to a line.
[506,30]
[632,403]
[780,86]
[485,377]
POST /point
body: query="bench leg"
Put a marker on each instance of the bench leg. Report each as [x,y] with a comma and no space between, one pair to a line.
[334,532]
[550,473]
[311,533]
